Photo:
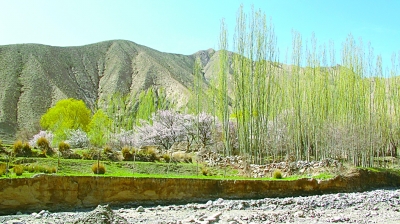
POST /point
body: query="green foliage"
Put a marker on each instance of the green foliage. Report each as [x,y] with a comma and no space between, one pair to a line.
[150,101]
[126,111]
[277,174]
[67,114]
[323,176]
[99,128]
[307,107]
[121,111]
[98,168]
[18,170]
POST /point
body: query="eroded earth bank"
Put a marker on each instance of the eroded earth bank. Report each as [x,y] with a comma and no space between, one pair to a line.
[378,206]
[56,199]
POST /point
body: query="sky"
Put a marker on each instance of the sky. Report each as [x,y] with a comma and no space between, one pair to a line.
[187,26]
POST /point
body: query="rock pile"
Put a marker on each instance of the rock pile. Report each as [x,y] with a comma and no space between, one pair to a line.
[214,159]
[102,215]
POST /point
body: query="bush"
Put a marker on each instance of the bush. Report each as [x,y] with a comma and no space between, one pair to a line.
[107,149]
[2,148]
[147,155]
[126,153]
[52,169]
[26,149]
[30,168]
[205,171]
[63,147]
[72,155]
[17,148]
[22,149]
[111,154]
[166,157]
[3,169]
[43,143]
[91,154]
[277,174]
[182,157]
[78,139]
[36,168]
[46,134]
[18,170]
[98,168]
[66,152]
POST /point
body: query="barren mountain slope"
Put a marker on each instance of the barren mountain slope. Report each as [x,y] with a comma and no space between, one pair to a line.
[34,77]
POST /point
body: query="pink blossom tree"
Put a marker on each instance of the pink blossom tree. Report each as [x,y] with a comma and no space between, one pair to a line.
[170,127]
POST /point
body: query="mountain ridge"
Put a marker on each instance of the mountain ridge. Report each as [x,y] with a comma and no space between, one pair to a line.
[35,76]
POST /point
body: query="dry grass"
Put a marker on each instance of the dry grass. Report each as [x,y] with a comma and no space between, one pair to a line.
[18,170]
[17,147]
[3,169]
[182,157]
[126,153]
[166,157]
[277,174]
[98,168]
[36,168]
[63,147]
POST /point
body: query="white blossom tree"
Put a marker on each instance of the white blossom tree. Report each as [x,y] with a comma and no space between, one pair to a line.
[170,127]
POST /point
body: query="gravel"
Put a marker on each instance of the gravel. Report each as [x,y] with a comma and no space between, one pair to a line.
[378,206]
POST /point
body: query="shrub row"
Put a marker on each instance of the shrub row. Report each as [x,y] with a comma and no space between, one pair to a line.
[21,149]
[35,168]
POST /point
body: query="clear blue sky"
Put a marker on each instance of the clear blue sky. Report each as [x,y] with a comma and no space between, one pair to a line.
[186,26]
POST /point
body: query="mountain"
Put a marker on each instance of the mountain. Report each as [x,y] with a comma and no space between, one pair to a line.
[34,77]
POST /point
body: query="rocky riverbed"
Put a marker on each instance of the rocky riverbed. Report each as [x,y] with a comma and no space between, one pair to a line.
[378,206]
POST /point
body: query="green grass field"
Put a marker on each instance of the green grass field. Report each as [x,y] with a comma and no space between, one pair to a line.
[158,169]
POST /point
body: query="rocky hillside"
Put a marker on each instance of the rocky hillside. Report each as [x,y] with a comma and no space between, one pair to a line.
[34,77]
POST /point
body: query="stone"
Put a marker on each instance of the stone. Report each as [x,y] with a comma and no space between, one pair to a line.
[214,217]
[218,201]
[189,220]
[299,214]
[140,209]
[337,219]
[14,221]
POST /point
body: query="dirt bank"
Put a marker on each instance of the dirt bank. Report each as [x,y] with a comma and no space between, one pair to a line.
[61,193]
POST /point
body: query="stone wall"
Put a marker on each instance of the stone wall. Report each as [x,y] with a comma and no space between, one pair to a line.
[55,193]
